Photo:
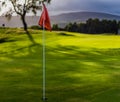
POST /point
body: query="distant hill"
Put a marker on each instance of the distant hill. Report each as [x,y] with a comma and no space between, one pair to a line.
[64,18]
[82,16]
[61,19]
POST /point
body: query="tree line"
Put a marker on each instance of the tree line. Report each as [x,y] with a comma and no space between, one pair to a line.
[92,26]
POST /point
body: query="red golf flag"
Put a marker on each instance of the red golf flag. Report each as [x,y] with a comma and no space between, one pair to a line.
[44,19]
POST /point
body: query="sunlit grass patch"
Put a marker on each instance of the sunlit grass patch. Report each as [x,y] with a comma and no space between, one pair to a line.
[79,67]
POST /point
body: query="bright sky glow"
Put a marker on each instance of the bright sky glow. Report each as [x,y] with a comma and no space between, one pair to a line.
[61,6]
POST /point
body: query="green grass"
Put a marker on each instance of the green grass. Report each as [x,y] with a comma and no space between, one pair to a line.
[79,67]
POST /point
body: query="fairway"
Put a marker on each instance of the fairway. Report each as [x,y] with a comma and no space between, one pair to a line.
[79,67]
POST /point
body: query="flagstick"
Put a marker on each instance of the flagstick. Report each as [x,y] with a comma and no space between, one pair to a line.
[44,65]
[43,20]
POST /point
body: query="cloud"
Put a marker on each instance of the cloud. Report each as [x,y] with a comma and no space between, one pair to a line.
[109,6]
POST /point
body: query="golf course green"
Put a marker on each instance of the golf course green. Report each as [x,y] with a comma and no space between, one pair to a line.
[79,67]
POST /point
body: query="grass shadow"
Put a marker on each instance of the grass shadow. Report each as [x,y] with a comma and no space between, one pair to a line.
[72,74]
[3,40]
[64,34]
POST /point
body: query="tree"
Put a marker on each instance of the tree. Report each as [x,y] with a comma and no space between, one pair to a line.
[55,27]
[75,27]
[69,27]
[21,8]
[114,26]
[82,28]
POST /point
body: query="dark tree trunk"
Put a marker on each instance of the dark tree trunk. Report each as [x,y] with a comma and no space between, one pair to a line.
[24,23]
[26,29]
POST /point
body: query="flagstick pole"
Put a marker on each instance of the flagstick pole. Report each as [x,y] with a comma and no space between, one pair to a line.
[44,64]
[44,18]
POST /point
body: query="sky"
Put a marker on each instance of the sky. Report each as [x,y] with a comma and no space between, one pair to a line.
[63,6]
